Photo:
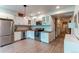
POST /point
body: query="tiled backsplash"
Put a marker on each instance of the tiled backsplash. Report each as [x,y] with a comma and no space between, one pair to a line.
[46,27]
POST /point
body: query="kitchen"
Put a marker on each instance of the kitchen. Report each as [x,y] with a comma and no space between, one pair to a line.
[37,28]
[34,24]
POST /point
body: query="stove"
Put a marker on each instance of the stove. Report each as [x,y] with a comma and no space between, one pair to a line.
[37,33]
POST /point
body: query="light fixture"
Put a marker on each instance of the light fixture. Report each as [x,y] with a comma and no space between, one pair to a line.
[25,15]
[25,9]
[31,14]
[34,17]
[39,12]
[57,7]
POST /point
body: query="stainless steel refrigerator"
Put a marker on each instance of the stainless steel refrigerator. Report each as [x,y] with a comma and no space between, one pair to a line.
[6,32]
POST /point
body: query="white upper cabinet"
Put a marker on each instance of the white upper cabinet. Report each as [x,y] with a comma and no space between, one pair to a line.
[43,21]
[33,21]
[46,20]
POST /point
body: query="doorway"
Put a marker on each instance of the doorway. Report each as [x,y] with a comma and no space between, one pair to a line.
[61,25]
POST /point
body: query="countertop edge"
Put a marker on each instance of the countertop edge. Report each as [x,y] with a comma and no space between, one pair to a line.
[32,30]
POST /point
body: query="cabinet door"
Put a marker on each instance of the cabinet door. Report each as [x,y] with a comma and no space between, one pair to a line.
[46,20]
[30,34]
[17,36]
[44,37]
[33,22]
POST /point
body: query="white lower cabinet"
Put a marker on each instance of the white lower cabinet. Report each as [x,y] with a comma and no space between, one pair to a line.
[30,34]
[44,37]
[17,36]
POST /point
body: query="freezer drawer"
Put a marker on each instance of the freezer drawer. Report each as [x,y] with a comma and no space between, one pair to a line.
[6,40]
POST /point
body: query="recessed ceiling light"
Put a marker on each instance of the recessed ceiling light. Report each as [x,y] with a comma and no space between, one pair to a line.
[34,17]
[57,7]
[31,14]
[39,12]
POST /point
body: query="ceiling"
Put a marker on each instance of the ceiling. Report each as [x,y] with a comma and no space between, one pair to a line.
[64,14]
[33,9]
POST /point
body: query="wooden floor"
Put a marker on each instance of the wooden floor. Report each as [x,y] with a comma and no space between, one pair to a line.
[32,46]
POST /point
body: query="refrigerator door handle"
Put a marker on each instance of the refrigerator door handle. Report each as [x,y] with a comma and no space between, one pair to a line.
[4,35]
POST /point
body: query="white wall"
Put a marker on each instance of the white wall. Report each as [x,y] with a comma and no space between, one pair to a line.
[52,34]
[17,20]
[9,14]
[6,15]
